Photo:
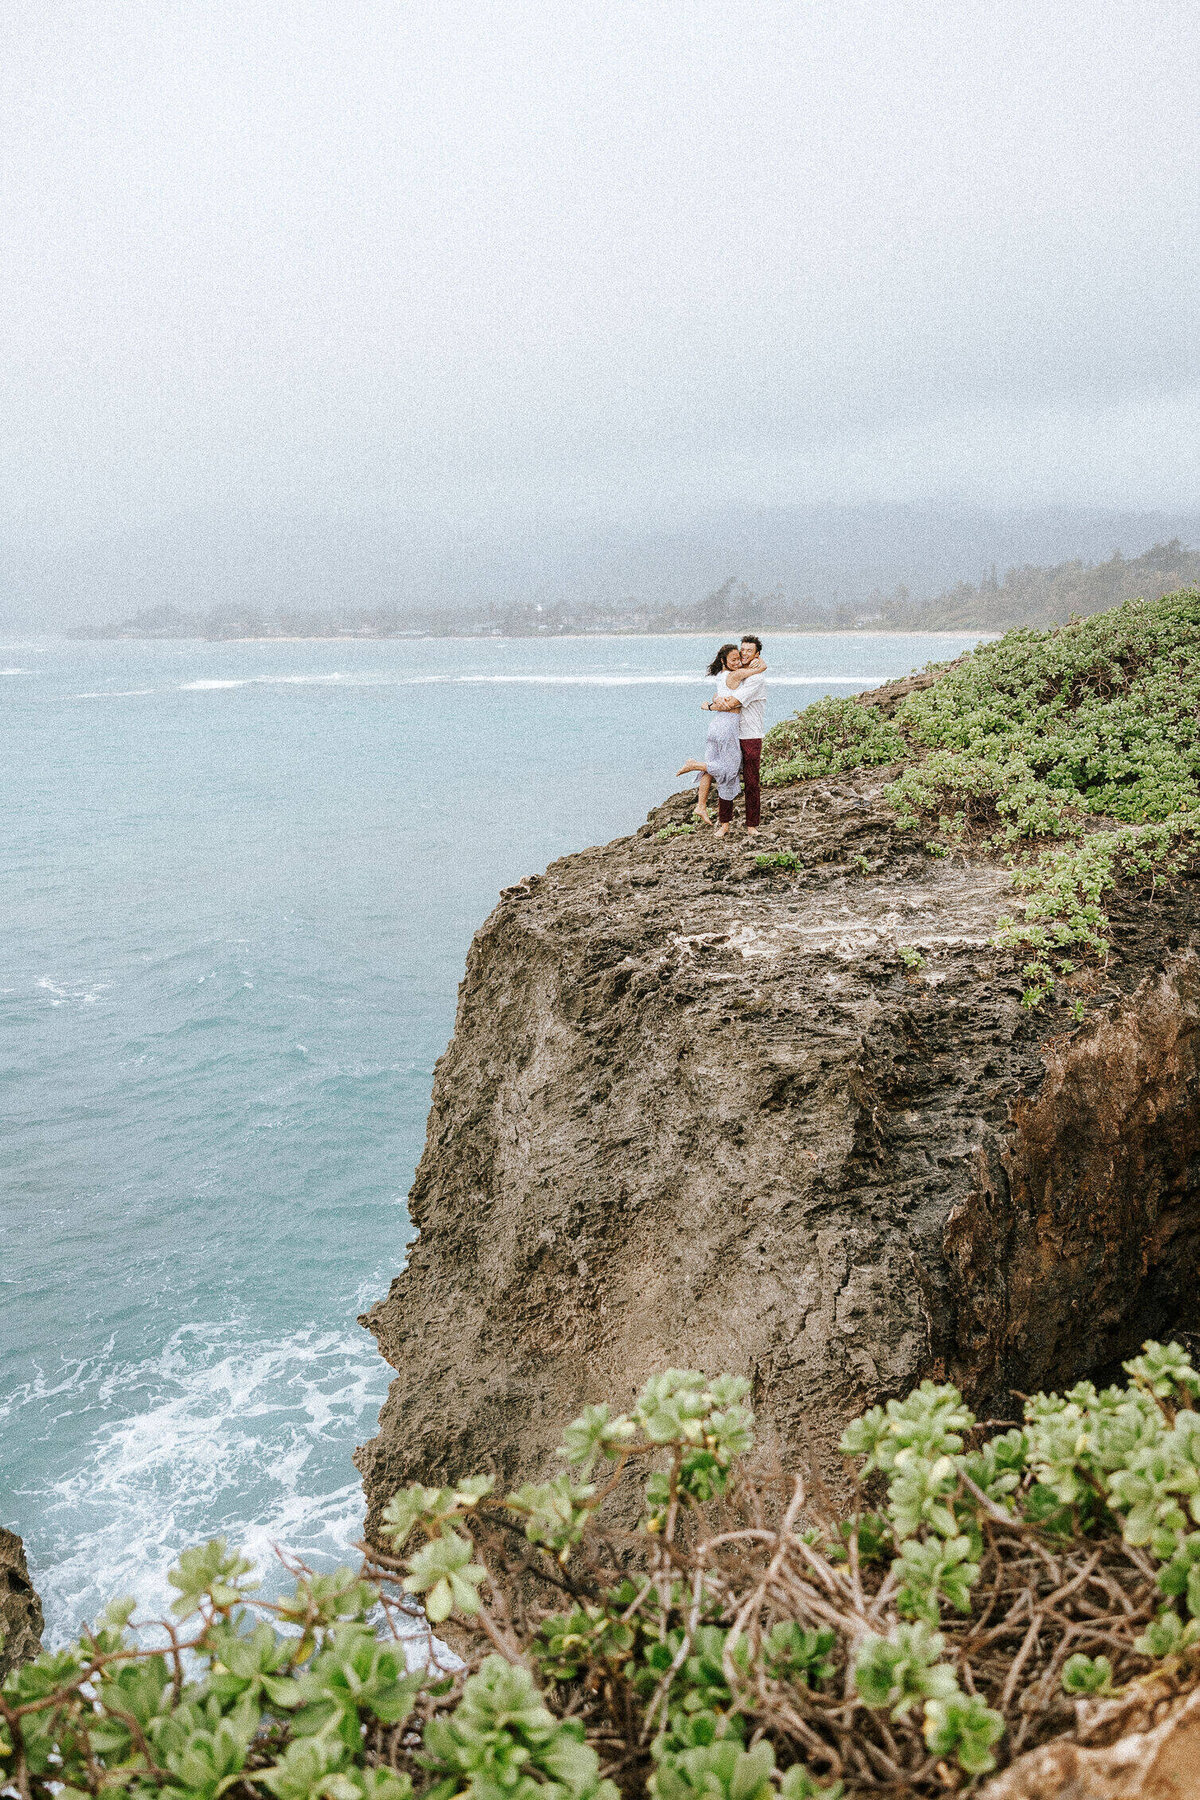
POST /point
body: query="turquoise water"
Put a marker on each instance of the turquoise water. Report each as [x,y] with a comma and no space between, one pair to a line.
[239,883]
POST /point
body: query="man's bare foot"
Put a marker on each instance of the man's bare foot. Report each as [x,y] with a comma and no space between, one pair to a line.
[752,831]
[722,831]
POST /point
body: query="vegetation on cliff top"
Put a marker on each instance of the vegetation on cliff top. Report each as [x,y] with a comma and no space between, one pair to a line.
[1074,752]
[743,1644]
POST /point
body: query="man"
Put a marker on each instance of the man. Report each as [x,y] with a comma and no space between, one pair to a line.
[749,683]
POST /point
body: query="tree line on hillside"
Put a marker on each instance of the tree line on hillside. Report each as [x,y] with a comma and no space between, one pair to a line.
[1028,595]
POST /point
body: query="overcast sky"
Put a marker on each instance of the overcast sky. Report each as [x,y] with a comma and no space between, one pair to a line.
[504,260]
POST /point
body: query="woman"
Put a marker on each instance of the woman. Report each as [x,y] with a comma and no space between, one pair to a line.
[722,751]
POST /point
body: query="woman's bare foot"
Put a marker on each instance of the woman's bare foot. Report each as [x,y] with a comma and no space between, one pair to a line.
[691,768]
[702,814]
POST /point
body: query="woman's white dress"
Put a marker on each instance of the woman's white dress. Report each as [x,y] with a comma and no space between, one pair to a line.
[723,749]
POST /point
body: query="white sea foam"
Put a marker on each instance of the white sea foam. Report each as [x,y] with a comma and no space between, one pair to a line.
[667,678]
[195,687]
[16,671]
[114,694]
[73,993]
[220,1433]
[664,680]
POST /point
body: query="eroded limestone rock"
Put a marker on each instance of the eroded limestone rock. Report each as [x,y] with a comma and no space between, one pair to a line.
[1143,1746]
[20,1608]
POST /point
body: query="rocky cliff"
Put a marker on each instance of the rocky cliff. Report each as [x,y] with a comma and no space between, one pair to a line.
[697,1112]
[20,1608]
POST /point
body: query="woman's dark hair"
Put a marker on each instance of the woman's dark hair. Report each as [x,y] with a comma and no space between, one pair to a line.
[720,659]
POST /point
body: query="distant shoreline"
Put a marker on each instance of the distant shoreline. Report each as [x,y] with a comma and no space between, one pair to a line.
[1028,598]
[550,637]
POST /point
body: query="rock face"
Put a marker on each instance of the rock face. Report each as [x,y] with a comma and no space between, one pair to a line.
[702,1114]
[20,1608]
[1145,1745]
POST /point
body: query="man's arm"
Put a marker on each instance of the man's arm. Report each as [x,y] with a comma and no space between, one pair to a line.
[735,677]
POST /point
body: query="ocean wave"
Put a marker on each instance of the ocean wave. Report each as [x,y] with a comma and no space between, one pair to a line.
[220,1433]
[16,671]
[73,993]
[667,678]
[114,694]
[192,687]
[528,678]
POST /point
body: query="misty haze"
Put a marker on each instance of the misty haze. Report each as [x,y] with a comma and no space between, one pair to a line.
[364,304]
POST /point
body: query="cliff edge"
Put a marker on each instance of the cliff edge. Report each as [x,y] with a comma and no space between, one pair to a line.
[702,1113]
[20,1608]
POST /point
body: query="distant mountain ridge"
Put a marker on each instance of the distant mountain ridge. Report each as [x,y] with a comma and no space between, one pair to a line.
[1028,595]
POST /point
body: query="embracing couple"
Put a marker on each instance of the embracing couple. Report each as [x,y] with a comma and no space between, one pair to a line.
[733,752]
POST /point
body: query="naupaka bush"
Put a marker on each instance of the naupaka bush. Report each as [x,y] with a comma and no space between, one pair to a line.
[1075,751]
[725,1636]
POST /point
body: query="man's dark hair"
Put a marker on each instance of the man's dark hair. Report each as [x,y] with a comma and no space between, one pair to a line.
[720,659]
[748,637]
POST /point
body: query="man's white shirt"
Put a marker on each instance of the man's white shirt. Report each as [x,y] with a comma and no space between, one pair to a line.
[753,695]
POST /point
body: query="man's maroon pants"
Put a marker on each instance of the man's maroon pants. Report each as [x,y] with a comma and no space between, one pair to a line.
[751,759]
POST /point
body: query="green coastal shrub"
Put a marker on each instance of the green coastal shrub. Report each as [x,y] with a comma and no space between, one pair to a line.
[830,735]
[1075,752]
[741,1644]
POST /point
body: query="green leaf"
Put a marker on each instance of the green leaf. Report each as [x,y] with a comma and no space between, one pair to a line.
[501,1739]
[920,1494]
[1166,1371]
[382,1784]
[358,1673]
[405,1509]
[432,1508]
[931,1571]
[312,1768]
[242,1661]
[320,1601]
[205,1761]
[444,1573]
[965,1728]
[210,1572]
[1166,1635]
[1180,1575]
[593,1431]
[118,1613]
[793,1653]
[902,1669]
[1087,1675]
[720,1771]
[567,1643]
[556,1512]
[797,1784]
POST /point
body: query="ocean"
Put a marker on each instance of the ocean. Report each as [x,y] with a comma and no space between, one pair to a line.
[239,881]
